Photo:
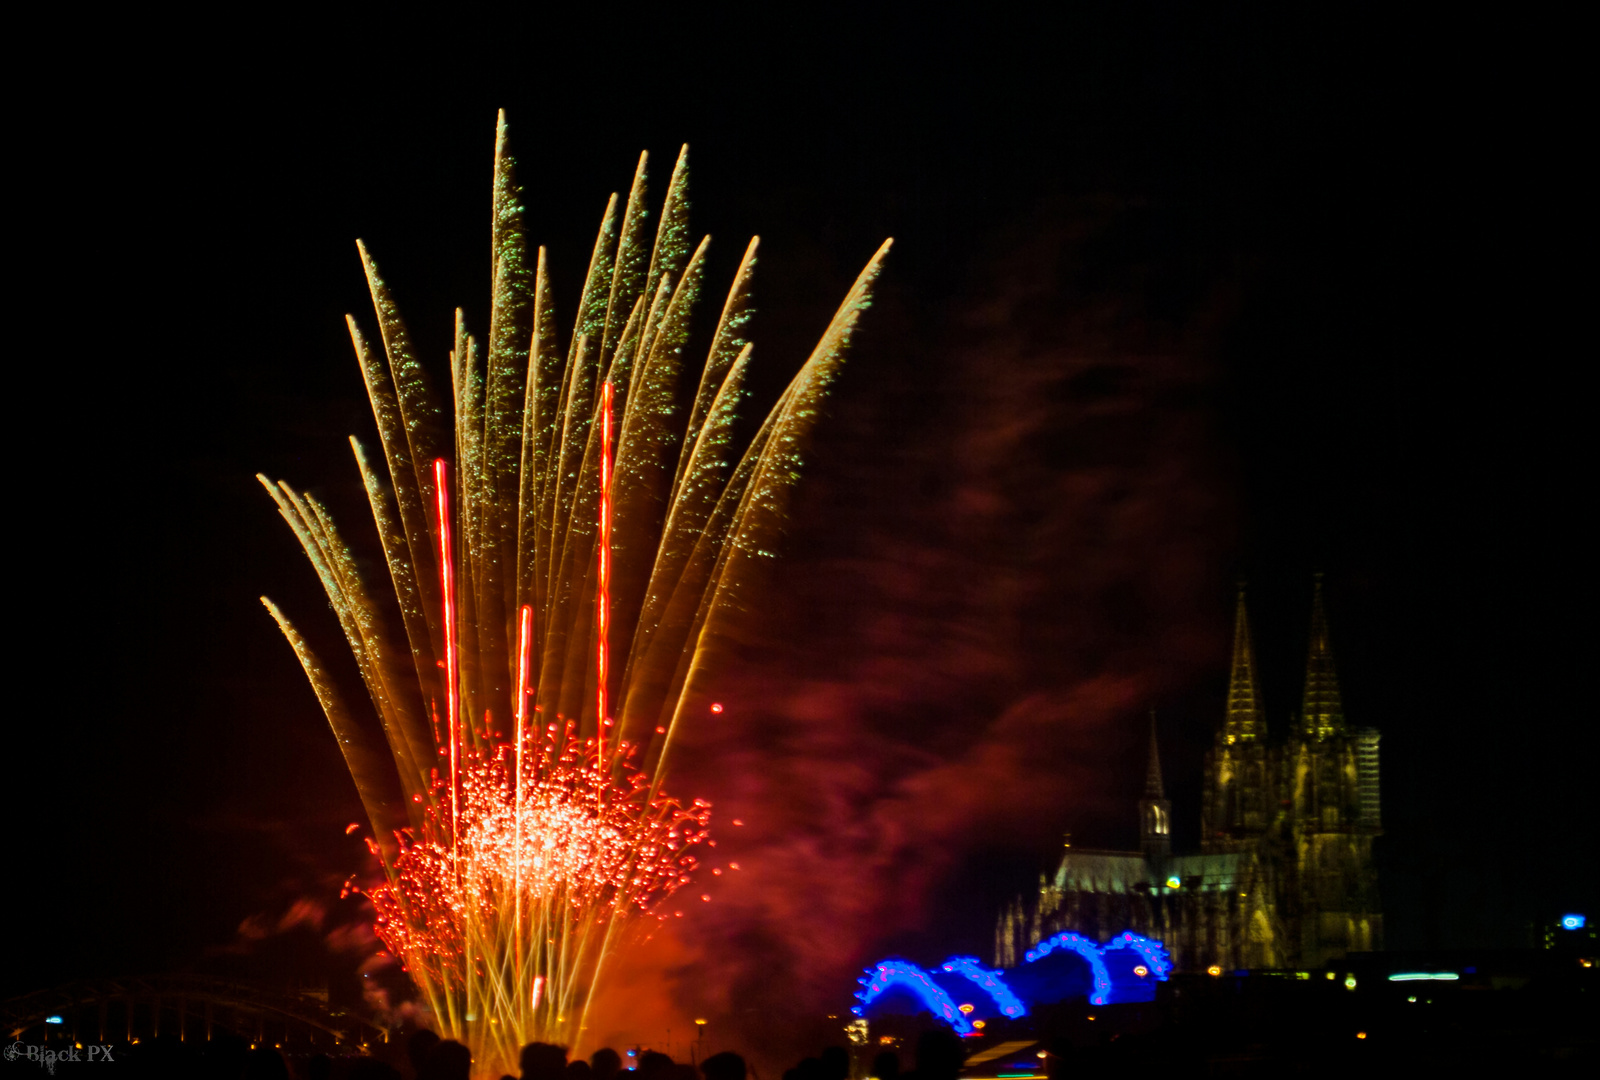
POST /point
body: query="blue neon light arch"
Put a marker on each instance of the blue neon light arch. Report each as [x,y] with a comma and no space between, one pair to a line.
[890,973]
[990,982]
[1153,953]
[1101,994]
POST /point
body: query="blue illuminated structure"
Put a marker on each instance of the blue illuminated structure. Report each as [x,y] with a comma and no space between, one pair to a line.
[1125,983]
[1153,953]
[1008,1003]
[1101,994]
[1573,922]
[889,973]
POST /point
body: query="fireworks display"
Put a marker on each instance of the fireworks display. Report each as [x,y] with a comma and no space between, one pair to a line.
[559,568]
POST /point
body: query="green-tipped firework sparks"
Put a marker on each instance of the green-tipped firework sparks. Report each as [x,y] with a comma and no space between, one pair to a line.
[578,516]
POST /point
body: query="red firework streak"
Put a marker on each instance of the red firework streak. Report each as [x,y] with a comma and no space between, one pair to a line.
[603,594]
[524,647]
[447,581]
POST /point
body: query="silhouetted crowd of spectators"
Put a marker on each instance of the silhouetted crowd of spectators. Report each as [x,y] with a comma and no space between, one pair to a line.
[938,1057]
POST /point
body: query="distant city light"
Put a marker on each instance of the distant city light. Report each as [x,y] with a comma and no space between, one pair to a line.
[1416,976]
[1350,982]
[53,1019]
[1573,922]
[1216,969]
[1174,882]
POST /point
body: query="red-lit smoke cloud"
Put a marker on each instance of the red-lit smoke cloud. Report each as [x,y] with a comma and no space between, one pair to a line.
[1004,548]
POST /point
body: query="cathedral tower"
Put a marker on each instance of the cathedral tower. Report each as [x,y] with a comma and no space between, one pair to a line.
[1330,777]
[1155,812]
[1246,720]
[1238,786]
[1321,710]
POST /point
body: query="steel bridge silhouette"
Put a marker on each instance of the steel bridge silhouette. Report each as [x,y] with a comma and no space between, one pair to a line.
[186,1007]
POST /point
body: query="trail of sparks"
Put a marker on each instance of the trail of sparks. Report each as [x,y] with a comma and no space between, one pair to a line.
[507,882]
[524,646]
[603,593]
[452,661]
[507,918]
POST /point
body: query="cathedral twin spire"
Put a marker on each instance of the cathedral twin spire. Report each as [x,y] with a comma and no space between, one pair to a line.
[1322,709]
[1246,722]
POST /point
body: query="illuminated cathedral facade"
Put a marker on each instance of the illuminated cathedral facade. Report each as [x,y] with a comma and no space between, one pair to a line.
[1284,876]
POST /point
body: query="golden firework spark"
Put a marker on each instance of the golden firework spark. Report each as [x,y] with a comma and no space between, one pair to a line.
[595,519]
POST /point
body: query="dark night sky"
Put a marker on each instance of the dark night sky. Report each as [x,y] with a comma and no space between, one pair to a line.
[1175,299]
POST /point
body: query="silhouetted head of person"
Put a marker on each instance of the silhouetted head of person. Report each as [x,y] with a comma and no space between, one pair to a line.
[939,1055]
[371,1069]
[319,1067]
[578,1069]
[724,1066]
[544,1061]
[836,1063]
[419,1046]
[654,1065]
[809,1069]
[605,1063]
[264,1064]
[447,1061]
[224,1054]
[886,1066]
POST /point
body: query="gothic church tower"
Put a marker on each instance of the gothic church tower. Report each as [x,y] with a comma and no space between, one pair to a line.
[1155,812]
[1329,777]
[1236,807]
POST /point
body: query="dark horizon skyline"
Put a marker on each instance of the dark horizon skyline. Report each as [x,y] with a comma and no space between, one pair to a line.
[1175,300]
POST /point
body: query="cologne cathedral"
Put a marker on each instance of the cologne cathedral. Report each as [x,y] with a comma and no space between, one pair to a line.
[1284,876]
